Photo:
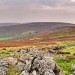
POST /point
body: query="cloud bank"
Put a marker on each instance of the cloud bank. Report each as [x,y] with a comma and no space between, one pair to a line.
[37,10]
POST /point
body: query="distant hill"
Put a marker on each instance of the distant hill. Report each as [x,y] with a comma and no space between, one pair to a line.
[19,31]
[57,35]
[8,24]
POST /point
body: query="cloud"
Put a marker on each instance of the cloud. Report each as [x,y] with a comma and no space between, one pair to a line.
[37,10]
[73,0]
[36,3]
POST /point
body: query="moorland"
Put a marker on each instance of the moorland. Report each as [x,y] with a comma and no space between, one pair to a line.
[55,38]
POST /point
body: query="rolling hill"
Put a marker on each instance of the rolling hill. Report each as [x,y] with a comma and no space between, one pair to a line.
[8,24]
[40,33]
[57,35]
[25,30]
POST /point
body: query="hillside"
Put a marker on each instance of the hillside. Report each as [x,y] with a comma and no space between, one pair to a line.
[66,34]
[20,31]
[8,24]
[43,37]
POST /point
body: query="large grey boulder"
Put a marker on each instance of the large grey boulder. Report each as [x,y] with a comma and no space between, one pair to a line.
[50,63]
[41,65]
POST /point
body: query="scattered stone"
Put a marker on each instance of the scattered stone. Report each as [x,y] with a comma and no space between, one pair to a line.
[3,71]
[25,57]
[61,73]
[24,73]
[34,73]
[4,64]
[11,60]
[73,67]
[55,49]
[20,66]
[71,74]
[49,73]
[33,61]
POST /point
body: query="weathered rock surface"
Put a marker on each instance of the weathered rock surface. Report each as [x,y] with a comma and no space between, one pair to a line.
[11,60]
[39,63]
[32,61]
[3,67]
[20,65]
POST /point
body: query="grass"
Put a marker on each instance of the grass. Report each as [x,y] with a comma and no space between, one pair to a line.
[13,71]
[9,36]
[63,32]
[6,38]
[6,51]
[65,43]
[66,66]
[67,60]
[69,49]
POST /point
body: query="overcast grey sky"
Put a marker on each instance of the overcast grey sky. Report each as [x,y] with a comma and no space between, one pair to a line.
[37,10]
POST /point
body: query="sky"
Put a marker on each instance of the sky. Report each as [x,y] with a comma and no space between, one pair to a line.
[21,11]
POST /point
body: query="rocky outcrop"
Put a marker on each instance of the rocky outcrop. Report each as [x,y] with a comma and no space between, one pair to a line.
[55,49]
[39,62]
[32,61]
[3,67]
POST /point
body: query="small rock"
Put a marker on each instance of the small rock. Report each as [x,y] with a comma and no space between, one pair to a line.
[20,65]
[25,57]
[24,73]
[12,54]
[28,65]
[11,60]
[3,70]
[34,73]
[49,73]
[71,74]
[3,63]
[61,73]
[73,67]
